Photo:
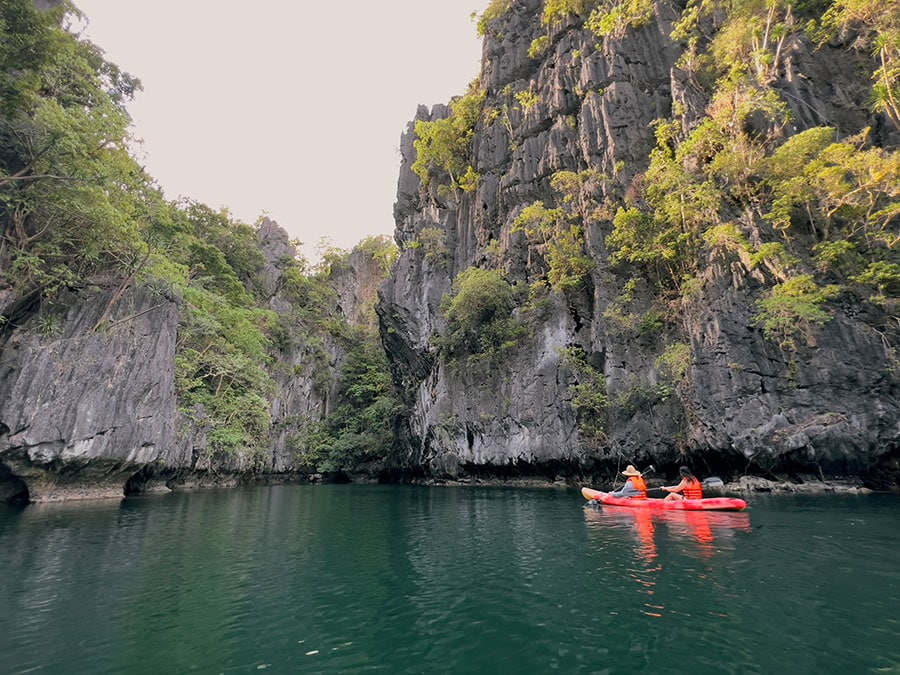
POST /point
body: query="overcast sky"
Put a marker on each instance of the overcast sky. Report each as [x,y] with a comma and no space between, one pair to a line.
[294,109]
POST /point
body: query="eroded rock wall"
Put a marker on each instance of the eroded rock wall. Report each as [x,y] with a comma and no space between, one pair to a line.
[742,403]
[90,411]
[83,409]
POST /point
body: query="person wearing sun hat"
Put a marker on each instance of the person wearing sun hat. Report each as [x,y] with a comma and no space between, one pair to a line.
[634,487]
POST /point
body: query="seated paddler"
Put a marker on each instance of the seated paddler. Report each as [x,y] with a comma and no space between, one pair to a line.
[689,487]
[635,487]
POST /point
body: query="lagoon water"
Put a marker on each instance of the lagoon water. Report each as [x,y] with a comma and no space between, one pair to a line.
[402,579]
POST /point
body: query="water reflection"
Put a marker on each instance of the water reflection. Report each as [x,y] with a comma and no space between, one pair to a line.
[659,538]
[408,579]
[703,528]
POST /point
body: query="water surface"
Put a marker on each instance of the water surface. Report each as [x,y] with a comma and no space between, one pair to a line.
[306,579]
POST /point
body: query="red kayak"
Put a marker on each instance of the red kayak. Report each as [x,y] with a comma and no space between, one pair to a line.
[705,504]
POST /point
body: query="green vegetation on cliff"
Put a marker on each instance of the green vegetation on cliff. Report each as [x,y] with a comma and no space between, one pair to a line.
[358,430]
[73,203]
[479,314]
[442,146]
[822,207]
[826,207]
[814,212]
[556,235]
[495,10]
[77,213]
[224,340]
[750,228]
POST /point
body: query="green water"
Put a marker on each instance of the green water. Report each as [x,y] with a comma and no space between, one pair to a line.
[347,579]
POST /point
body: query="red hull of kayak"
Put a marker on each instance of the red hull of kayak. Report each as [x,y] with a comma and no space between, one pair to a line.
[706,504]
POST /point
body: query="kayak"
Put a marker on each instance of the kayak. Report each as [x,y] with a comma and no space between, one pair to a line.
[705,504]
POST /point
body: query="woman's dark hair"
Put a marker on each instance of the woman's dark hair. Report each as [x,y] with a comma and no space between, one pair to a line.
[684,471]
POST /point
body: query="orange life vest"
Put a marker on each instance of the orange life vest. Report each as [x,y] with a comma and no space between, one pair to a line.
[693,490]
[637,482]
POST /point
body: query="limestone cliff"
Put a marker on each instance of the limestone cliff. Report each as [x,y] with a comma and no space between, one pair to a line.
[645,235]
[89,408]
[739,402]
[83,409]
[147,343]
[305,368]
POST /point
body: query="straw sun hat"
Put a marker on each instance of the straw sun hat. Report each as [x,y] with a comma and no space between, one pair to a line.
[631,471]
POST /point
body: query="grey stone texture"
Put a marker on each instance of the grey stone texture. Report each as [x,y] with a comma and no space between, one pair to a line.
[744,404]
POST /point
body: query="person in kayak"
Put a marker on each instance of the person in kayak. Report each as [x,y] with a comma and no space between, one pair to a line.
[688,488]
[634,487]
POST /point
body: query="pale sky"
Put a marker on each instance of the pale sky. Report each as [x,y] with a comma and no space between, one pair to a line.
[293,109]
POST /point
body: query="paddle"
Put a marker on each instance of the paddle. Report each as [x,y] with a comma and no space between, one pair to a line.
[710,482]
[652,469]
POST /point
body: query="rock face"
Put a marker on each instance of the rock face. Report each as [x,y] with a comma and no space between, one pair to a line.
[305,378]
[742,401]
[90,411]
[687,378]
[305,370]
[83,410]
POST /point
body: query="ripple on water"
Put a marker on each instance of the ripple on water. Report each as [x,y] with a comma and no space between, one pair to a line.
[405,580]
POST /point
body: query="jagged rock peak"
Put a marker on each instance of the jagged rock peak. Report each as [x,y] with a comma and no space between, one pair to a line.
[561,102]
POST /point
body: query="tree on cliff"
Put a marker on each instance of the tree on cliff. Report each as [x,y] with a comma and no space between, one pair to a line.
[78,212]
[705,272]
[73,202]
